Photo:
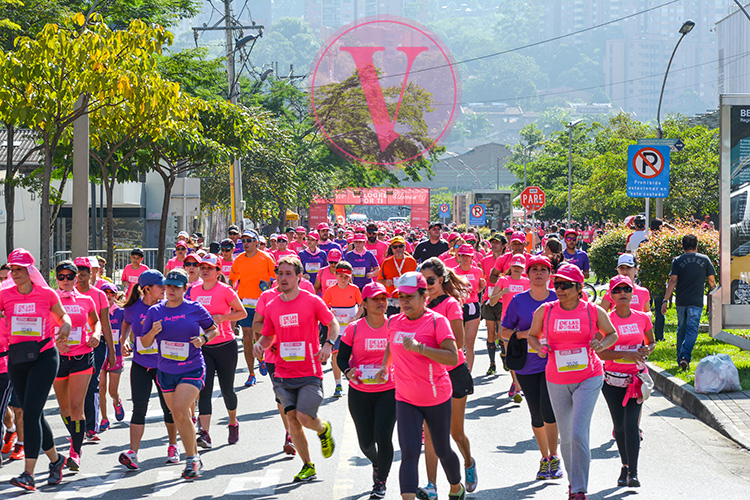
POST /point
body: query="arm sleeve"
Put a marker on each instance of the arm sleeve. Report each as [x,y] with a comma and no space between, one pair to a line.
[345,353]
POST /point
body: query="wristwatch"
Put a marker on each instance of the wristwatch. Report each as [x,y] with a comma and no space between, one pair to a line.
[329,341]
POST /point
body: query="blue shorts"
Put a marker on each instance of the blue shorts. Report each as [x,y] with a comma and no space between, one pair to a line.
[169,381]
[247,322]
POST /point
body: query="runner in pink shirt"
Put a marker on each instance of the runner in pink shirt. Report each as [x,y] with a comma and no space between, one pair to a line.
[282,248]
[502,264]
[133,270]
[226,258]
[472,312]
[326,278]
[641,297]
[492,314]
[177,261]
[299,243]
[378,247]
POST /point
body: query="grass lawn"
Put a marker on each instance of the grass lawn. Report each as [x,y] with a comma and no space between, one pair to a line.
[665,357]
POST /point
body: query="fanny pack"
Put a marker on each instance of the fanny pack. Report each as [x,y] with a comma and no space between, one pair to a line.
[617,379]
[25,352]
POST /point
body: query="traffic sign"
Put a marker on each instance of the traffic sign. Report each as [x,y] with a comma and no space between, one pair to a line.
[533,198]
[444,210]
[675,145]
[477,215]
[648,171]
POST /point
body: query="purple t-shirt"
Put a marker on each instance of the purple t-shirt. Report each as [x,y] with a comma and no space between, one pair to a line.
[133,315]
[313,263]
[329,245]
[115,320]
[580,259]
[179,324]
[519,315]
[362,265]
[342,243]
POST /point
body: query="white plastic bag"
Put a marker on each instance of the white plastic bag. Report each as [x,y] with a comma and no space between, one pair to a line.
[716,373]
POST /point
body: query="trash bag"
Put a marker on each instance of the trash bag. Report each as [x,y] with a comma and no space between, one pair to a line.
[716,373]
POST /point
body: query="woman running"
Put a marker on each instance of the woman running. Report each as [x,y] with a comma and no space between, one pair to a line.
[220,353]
[183,327]
[31,311]
[445,290]
[76,357]
[531,378]
[575,331]
[110,376]
[622,363]
[421,346]
[147,292]
[472,313]
[372,403]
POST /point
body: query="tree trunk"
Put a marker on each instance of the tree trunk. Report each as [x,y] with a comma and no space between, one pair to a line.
[10,194]
[168,184]
[282,216]
[44,233]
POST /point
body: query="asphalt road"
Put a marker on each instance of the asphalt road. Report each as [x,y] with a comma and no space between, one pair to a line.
[680,457]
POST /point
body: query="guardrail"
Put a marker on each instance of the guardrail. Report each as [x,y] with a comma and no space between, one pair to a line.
[122,258]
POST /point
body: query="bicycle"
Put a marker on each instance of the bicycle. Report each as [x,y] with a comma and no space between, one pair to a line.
[591,292]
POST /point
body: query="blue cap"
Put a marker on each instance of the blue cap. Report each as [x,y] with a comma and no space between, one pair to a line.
[176,279]
[150,277]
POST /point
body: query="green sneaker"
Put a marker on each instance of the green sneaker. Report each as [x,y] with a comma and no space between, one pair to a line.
[459,495]
[306,474]
[326,440]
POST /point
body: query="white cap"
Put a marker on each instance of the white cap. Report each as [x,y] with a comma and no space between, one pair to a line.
[626,259]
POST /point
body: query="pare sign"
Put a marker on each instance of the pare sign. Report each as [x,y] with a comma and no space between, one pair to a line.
[533,198]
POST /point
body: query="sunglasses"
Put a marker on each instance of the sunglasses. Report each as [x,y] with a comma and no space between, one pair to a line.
[66,276]
[372,232]
[248,240]
[564,285]
[431,280]
[622,289]
[227,249]
[110,293]
[571,239]
[182,249]
[396,247]
[190,264]
[234,234]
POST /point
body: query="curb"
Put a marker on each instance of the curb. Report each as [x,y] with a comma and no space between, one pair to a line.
[700,405]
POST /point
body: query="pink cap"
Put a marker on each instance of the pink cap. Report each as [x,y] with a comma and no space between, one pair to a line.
[569,272]
[181,244]
[211,260]
[469,237]
[444,236]
[359,237]
[82,262]
[373,290]
[453,236]
[193,256]
[301,229]
[314,235]
[518,236]
[20,257]
[282,237]
[620,280]
[360,229]
[323,226]
[334,255]
[466,249]
[411,282]
[538,260]
[518,260]
[398,231]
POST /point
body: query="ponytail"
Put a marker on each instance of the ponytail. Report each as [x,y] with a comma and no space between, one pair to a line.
[135,294]
[454,285]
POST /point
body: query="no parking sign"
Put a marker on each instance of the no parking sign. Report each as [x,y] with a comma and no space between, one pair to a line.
[648,171]
[477,215]
[444,210]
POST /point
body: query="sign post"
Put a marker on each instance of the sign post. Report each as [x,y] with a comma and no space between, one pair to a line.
[477,215]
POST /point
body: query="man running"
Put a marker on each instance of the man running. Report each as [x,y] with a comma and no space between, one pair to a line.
[572,255]
[502,264]
[378,248]
[326,243]
[234,235]
[435,246]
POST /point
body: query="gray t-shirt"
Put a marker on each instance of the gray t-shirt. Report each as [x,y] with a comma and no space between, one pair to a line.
[691,270]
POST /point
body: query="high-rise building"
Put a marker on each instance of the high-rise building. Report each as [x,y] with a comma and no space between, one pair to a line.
[326,16]
[733,53]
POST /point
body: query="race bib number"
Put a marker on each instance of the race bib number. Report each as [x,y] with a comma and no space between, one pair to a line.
[251,303]
[140,349]
[400,336]
[116,336]
[572,360]
[176,351]
[26,326]
[626,348]
[292,351]
[368,374]
[312,267]
[344,315]
[359,272]
[76,336]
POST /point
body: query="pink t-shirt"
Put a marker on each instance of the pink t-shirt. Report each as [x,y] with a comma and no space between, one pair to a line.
[217,301]
[272,352]
[503,262]
[515,286]
[296,246]
[99,298]
[173,263]
[379,249]
[226,267]
[295,325]
[450,261]
[3,347]
[130,275]
[78,306]
[487,264]
[279,254]
[570,359]
[452,310]
[27,317]
[304,284]
[630,336]
[641,300]
[327,279]
[368,347]
[419,380]
[474,274]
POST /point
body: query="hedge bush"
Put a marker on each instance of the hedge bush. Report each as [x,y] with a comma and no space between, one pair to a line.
[605,250]
[656,254]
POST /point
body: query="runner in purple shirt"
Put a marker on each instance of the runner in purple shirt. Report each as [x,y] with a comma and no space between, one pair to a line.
[364,265]
[574,256]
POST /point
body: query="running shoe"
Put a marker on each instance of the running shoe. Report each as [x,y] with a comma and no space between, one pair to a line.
[262,368]
[251,381]
[471,476]
[56,470]
[543,469]
[633,481]
[129,459]
[74,460]
[173,454]
[193,466]
[25,481]
[378,490]
[512,390]
[429,492]
[623,479]
[104,425]
[579,496]
[492,369]
[92,437]
[9,439]
[119,411]
[289,448]
[204,440]
[518,397]
[306,474]
[234,433]
[18,453]
[459,495]
[554,467]
[338,392]
[326,440]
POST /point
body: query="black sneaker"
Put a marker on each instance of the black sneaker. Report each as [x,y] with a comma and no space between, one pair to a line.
[378,490]
[25,481]
[623,479]
[633,481]
[56,470]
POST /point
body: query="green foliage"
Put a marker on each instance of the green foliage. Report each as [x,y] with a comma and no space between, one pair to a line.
[606,249]
[655,255]
[441,195]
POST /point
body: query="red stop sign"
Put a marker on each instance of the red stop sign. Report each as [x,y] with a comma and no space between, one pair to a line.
[532,198]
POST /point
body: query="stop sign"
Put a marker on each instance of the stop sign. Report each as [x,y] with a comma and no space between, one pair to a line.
[532,198]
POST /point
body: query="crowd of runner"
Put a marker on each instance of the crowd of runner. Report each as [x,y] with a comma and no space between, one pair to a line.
[395,311]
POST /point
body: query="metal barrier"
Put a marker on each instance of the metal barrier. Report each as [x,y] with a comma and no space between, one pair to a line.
[122,259]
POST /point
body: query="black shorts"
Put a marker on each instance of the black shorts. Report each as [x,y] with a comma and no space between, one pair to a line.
[75,365]
[463,383]
[471,311]
[271,367]
[492,313]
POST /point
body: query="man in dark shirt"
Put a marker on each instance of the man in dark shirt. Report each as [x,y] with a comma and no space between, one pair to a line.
[433,247]
[687,280]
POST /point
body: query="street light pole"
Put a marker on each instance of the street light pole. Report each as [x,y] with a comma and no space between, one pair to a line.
[686,28]
[458,174]
[570,164]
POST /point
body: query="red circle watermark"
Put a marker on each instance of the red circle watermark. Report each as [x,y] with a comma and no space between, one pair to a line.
[384,91]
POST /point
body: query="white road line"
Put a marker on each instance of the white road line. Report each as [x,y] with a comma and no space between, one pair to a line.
[166,477]
[347,447]
[99,487]
[266,484]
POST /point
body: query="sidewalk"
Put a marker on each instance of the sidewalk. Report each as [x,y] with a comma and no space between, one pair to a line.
[728,413]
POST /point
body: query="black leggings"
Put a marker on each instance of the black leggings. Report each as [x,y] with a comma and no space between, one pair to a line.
[91,404]
[534,387]
[32,382]
[222,360]
[438,420]
[5,391]
[374,415]
[625,419]
[142,381]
